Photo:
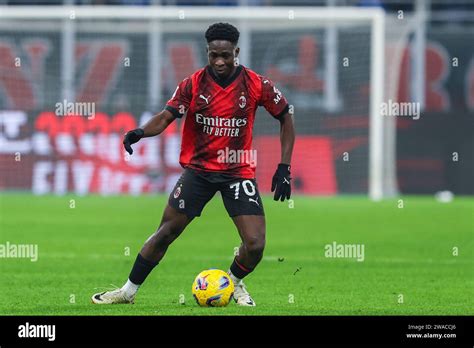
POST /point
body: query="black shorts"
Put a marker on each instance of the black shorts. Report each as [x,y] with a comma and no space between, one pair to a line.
[194,189]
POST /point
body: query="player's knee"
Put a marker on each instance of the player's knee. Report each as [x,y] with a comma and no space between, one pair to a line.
[166,234]
[255,246]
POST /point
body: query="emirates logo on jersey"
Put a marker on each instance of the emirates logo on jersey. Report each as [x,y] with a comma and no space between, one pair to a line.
[217,121]
[242,102]
[221,126]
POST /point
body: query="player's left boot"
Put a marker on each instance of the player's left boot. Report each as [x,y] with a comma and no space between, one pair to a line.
[117,296]
[242,296]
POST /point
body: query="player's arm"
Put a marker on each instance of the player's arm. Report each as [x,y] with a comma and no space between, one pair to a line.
[156,125]
[175,108]
[277,105]
[287,137]
[281,179]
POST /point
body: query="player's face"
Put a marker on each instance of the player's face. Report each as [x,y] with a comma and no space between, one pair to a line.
[221,54]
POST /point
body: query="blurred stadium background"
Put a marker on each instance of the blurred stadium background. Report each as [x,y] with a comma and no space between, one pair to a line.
[128,68]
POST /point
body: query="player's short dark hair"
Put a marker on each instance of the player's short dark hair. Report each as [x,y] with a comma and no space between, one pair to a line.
[222,31]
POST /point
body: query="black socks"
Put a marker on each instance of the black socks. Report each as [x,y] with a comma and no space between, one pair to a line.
[141,269]
[239,270]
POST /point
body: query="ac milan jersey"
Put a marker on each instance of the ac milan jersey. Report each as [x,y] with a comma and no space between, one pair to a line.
[217,134]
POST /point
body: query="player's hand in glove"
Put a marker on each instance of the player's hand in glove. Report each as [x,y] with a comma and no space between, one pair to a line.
[132,137]
[281,182]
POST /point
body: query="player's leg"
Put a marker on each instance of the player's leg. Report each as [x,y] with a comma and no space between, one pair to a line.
[244,205]
[186,201]
[171,226]
[252,233]
[251,229]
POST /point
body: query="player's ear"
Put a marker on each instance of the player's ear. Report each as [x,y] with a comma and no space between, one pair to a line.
[237,51]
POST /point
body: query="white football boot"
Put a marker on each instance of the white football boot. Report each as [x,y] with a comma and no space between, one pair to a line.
[117,296]
[242,296]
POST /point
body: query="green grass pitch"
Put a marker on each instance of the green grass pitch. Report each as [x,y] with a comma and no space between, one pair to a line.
[408,269]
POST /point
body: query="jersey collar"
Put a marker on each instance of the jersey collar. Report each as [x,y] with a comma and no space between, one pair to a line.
[224,82]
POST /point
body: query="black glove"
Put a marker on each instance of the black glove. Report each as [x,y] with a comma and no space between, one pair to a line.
[132,137]
[281,182]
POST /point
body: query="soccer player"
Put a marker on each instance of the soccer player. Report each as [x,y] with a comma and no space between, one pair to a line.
[219,102]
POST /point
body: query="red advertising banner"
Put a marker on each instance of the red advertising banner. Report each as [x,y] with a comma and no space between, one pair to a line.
[50,154]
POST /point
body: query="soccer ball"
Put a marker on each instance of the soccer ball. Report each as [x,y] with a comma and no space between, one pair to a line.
[213,288]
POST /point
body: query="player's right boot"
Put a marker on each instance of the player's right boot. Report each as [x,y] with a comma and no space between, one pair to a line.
[117,296]
[242,296]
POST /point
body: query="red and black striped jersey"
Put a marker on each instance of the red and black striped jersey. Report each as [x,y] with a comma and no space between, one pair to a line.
[217,133]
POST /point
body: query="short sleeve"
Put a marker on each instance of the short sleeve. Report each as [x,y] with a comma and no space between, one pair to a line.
[272,99]
[181,99]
